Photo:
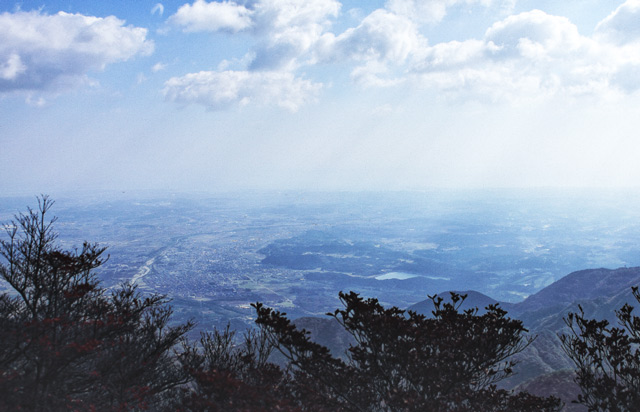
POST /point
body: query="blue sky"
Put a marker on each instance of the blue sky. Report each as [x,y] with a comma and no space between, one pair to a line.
[318,94]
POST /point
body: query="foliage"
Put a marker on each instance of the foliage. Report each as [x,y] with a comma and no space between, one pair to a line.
[607,359]
[403,361]
[229,377]
[66,343]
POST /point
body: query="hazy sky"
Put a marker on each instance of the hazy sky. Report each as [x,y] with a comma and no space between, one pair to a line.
[318,94]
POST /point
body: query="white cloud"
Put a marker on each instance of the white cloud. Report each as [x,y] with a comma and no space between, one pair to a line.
[518,34]
[291,29]
[529,55]
[620,34]
[622,25]
[158,8]
[12,67]
[280,15]
[381,36]
[214,16]
[451,54]
[220,90]
[158,67]
[432,11]
[383,41]
[526,55]
[287,29]
[42,52]
[374,74]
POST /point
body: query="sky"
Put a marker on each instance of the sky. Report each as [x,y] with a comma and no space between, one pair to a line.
[318,95]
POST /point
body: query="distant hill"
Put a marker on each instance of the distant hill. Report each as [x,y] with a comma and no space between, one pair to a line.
[580,286]
[543,367]
[473,300]
[598,291]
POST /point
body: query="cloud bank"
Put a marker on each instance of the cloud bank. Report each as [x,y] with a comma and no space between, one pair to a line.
[286,32]
[435,10]
[529,54]
[220,90]
[40,52]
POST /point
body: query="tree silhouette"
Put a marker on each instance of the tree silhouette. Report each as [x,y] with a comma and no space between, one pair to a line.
[235,377]
[404,361]
[68,344]
[607,359]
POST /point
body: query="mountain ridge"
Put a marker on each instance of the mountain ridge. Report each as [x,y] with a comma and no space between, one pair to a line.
[543,364]
[598,291]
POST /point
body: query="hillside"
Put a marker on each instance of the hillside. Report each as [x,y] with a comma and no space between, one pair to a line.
[598,291]
[473,300]
[543,366]
[581,286]
[559,384]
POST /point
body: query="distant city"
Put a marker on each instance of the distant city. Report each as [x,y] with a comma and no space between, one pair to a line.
[214,255]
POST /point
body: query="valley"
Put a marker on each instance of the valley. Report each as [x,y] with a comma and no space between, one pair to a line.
[214,255]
